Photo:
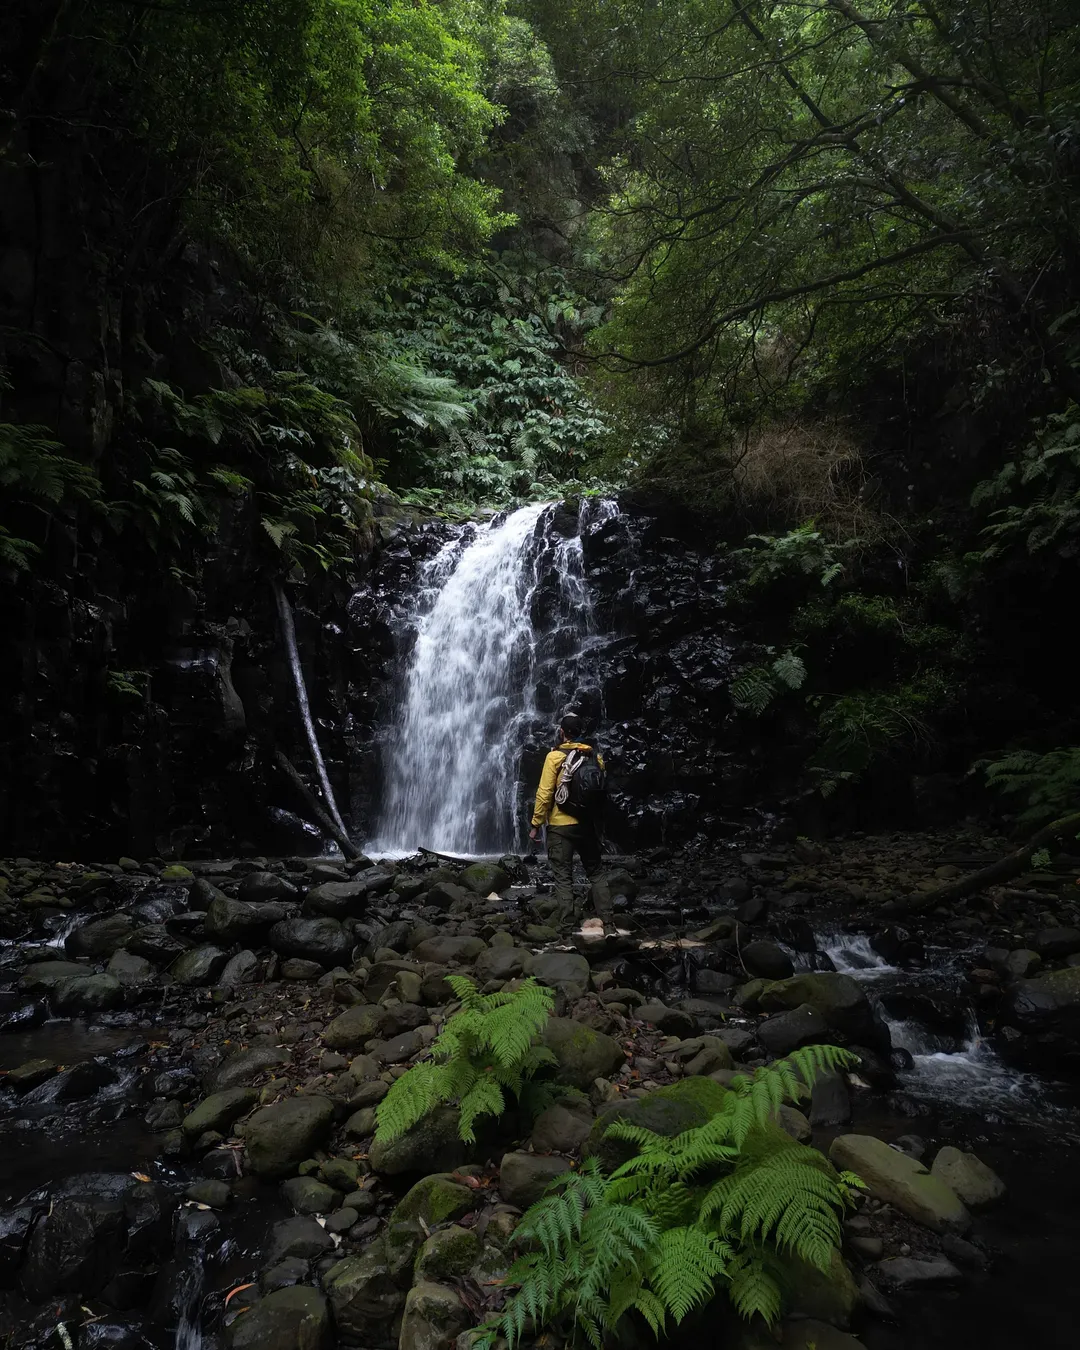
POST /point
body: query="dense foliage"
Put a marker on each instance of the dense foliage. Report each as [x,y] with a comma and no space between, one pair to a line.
[809,270]
[487,1049]
[720,1207]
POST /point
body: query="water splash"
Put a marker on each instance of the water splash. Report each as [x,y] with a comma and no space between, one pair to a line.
[504,619]
[852,954]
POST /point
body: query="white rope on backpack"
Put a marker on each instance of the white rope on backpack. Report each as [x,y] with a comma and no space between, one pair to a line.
[570,766]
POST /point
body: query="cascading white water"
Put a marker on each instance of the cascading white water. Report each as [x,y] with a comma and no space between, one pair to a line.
[470,694]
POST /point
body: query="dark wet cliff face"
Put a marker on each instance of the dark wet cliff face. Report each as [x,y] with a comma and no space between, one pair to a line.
[142,712]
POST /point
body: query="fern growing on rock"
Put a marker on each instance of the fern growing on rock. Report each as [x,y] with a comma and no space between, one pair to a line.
[719,1207]
[487,1048]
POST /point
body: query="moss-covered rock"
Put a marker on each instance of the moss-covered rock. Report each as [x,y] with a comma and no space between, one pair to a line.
[219,1111]
[281,1136]
[432,1142]
[900,1180]
[448,1254]
[485,877]
[434,1200]
[830,1296]
[581,1054]
[434,1317]
[668,1111]
[287,1319]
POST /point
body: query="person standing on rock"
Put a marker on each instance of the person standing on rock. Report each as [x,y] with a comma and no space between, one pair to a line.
[569,801]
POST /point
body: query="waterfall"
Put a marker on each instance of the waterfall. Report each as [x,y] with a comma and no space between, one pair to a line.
[503,618]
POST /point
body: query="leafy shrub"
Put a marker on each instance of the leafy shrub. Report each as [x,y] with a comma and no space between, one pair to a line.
[804,551]
[1048,785]
[868,726]
[35,472]
[718,1207]
[485,1050]
[757,688]
[1045,483]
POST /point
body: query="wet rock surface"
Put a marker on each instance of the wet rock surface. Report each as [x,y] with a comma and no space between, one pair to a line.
[249,1106]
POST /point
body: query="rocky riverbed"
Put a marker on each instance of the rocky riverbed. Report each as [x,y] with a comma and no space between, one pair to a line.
[192,1056]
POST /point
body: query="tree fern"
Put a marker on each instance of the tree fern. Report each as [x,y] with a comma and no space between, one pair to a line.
[717,1207]
[486,1050]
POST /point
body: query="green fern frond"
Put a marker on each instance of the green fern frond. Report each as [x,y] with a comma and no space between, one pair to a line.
[485,1051]
[687,1262]
[753,1290]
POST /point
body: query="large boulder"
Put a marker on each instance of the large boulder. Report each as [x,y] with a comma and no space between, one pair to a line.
[486,877]
[259,887]
[219,1111]
[971,1179]
[323,940]
[1050,1001]
[840,1000]
[581,1054]
[766,959]
[434,1200]
[446,951]
[786,1031]
[524,1177]
[435,1317]
[199,967]
[501,963]
[448,1254]
[100,937]
[348,899]
[565,971]
[352,1029]
[155,943]
[281,1136]
[87,993]
[130,969]
[74,1248]
[297,1318]
[363,1290]
[433,1143]
[902,1181]
[236,921]
[562,1128]
[244,1066]
[48,974]
[831,1296]
[668,1111]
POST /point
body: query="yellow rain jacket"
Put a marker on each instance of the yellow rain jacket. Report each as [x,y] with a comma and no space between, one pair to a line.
[545,812]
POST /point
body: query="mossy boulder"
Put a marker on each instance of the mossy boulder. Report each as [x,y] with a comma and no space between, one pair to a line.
[840,1000]
[434,1317]
[352,1029]
[581,1054]
[363,1291]
[219,1111]
[901,1181]
[297,1318]
[448,1254]
[281,1136]
[87,994]
[485,877]
[668,1111]
[436,1199]
[830,1296]
[432,1142]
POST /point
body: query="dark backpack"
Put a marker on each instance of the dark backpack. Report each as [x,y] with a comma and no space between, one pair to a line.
[585,784]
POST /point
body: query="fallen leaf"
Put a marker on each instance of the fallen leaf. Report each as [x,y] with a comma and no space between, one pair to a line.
[141,1176]
[238,1290]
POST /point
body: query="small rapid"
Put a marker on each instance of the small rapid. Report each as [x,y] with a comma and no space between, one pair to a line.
[962,1072]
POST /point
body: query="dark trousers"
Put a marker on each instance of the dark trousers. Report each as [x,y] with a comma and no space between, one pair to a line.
[563,841]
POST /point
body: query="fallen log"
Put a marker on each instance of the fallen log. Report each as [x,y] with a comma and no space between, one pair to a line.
[315,806]
[1010,866]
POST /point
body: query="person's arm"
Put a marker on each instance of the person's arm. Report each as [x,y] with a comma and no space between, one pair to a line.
[545,793]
